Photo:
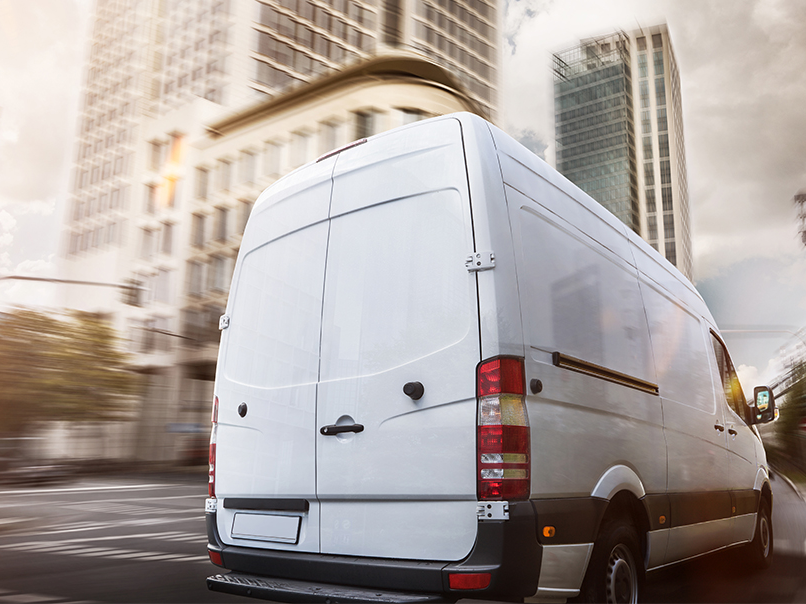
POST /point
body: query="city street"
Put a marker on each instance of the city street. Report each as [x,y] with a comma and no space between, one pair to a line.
[141,539]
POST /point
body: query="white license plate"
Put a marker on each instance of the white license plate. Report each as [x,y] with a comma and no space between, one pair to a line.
[266,527]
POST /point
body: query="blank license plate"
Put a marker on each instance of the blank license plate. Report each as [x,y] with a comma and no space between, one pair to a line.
[266,527]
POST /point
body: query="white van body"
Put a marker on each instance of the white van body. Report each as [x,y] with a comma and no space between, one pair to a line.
[412,258]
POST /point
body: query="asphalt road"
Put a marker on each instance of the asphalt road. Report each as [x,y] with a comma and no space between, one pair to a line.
[142,539]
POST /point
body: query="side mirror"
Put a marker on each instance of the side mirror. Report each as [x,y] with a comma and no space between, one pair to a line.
[764,410]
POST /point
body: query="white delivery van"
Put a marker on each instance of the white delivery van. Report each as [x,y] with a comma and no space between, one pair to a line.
[446,372]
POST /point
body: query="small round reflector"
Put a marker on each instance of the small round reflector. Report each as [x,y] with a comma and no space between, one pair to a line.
[548,531]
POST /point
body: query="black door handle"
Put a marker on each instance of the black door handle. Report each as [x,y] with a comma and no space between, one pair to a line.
[333,429]
[719,427]
[732,431]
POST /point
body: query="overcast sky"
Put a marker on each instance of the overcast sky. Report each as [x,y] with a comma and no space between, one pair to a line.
[743,75]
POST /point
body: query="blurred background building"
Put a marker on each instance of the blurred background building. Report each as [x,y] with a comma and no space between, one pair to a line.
[619,134]
[191,108]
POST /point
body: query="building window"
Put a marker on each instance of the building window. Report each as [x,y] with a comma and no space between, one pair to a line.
[198,230]
[652,228]
[650,201]
[671,252]
[247,167]
[364,124]
[195,278]
[151,199]
[666,198]
[147,244]
[202,182]
[663,145]
[73,242]
[660,91]
[299,148]
[156,155]
[327,137]
[224,174]
[412,115]
[167,238]
[218,273]
[662,124]
[162,286]
[657,41]
[641,42]
[649,174]
[245,209]
[647,147]
[643,90]
[642,69]
[221,224]
[271,159]
[665,172]
[658,60]
[668,226]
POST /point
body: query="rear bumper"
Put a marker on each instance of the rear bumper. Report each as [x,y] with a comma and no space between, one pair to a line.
[507,550]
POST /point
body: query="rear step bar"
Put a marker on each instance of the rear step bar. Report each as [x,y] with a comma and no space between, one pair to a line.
[286,590]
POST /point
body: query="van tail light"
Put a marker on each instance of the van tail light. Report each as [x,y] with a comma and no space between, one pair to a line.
[213,435]
[503,444]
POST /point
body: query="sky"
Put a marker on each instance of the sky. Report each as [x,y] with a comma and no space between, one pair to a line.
[743,77]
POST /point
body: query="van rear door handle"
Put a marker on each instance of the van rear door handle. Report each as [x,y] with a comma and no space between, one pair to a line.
[719,427]
[732,431]
[333,429]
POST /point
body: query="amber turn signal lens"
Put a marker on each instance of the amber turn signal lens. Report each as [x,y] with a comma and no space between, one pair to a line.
[548,531]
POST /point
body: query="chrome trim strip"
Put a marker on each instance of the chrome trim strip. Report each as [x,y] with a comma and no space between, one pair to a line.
[610,375]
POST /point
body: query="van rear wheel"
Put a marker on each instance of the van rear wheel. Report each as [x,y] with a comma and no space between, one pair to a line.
[760,549]
[614,572]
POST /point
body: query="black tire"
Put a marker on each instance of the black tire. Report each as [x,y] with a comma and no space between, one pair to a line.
[761,548]
[615,571]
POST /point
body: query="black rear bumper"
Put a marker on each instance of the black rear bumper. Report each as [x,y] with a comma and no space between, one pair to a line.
[508,550]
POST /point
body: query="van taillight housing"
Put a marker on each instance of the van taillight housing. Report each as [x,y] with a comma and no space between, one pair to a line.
[503,445]
[213,435]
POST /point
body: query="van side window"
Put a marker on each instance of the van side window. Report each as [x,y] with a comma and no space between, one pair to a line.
[730,381]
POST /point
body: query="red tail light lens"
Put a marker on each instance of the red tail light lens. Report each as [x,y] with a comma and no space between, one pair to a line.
[503,443]
[215,557]
[469,580]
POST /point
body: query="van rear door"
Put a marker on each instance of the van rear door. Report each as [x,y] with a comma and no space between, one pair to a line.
[268,367]
[399,308]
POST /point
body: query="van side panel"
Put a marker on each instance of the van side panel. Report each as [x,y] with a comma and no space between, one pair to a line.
[582,300]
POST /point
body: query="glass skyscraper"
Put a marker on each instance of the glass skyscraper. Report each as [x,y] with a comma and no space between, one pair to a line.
[619,134]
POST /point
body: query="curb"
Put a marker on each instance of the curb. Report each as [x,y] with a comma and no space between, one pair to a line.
[790,483]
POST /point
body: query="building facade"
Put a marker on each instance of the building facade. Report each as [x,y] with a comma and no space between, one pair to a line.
[191,108]
[619,134]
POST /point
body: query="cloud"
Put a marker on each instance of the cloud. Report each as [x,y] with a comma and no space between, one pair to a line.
[7,221]
[743,78]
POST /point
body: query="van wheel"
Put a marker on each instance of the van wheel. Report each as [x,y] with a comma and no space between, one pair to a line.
[614,572]
[760,549]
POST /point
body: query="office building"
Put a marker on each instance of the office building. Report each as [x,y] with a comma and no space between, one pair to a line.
[619,134]
[191,108]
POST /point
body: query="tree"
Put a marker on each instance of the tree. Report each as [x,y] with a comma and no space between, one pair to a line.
[792,411]
[61,366]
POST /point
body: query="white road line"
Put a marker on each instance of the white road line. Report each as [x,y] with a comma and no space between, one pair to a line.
[133,487]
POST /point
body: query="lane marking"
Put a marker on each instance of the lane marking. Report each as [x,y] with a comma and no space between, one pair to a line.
[135,487]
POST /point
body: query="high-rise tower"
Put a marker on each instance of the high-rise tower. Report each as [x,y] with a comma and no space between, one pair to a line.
[619,133]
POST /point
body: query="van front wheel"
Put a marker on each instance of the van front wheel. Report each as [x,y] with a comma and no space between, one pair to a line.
[614,572]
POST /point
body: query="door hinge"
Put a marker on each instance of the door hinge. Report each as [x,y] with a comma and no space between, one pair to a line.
[480,261]
[223,322]
[492,510]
